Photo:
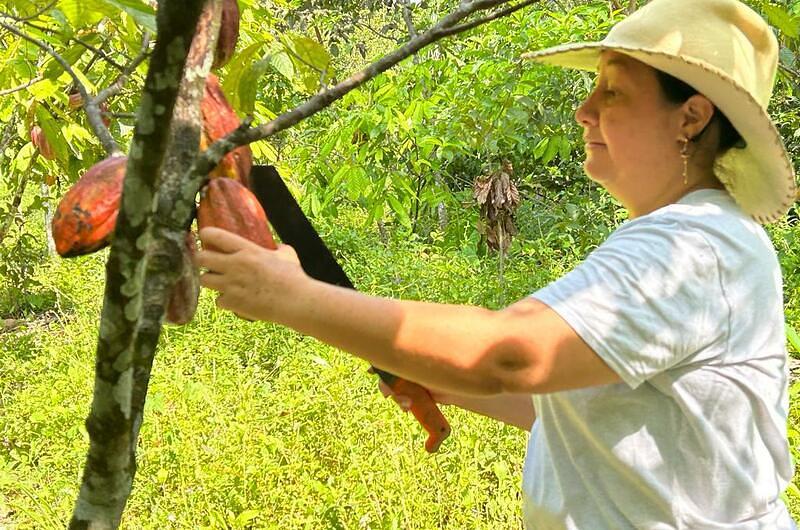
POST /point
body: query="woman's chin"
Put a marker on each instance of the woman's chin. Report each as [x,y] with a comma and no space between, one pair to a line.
[596,173]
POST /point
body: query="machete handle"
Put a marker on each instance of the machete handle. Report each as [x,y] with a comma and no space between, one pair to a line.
[424,408]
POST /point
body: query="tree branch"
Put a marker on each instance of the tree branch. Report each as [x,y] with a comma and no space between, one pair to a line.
[98,53]
[484,20]
[119,83]
[245,135]
[92,109]
[23,86]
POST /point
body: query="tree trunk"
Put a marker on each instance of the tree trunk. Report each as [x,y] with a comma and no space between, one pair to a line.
[112,423]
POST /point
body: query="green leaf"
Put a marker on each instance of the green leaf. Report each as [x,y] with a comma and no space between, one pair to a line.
[310,60]
[245,517]
[240,83]
[283,64]
[540,148]
[44,90]
[552,150]
[564,149]
[782,20]
[71,55]
[143,14]
[793,338]
[399,210]
[52,131]
[82,13]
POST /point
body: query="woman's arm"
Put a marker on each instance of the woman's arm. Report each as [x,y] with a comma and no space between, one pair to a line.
[523,349]
[512,409]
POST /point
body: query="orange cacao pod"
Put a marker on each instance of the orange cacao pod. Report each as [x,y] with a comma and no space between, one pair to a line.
[40,142]
[182,302]
[228,33]
[227,204]
[219,119]
[85,218]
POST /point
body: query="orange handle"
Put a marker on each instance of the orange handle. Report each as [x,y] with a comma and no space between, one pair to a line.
[424,409]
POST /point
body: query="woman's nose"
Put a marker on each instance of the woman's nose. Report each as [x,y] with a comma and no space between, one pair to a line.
[586,115]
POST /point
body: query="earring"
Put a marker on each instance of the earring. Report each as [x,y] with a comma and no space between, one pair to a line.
[685,157]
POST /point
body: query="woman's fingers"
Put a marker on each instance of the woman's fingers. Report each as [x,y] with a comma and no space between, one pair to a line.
[404,402]
[213,281]
[212,261]
[224,241]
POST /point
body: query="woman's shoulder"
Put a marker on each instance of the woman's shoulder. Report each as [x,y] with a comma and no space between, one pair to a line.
[706,218]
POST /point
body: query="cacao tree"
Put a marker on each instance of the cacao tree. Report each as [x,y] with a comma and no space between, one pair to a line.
[163,175]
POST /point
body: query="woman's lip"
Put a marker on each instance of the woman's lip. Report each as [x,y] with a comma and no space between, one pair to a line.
[595,144]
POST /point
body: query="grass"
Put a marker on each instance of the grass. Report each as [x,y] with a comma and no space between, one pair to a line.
[249,425]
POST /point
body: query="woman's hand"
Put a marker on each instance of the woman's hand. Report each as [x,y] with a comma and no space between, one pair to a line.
[404,402]
[253,282]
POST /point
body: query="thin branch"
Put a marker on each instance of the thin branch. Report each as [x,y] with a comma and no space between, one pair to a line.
[43,10]
[373,30]
[31,17]
[412,30]
[91,108]
[98,53]
[245,135]
[788,70]
[794,76]
[23,86]
[484,20]
[119,83]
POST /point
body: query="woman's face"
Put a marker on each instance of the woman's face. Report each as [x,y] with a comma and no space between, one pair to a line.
[631,132]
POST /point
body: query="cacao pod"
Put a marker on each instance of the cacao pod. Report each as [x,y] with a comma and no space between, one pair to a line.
[227,204]
[104,116]
[228,33]
[219,119]
[75,101]
[40,142]
[85,218]
[183,297]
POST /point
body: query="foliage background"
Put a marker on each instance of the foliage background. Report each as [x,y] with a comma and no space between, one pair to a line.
[251,425]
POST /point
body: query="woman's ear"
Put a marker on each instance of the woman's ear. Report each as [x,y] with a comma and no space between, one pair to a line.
[697,113]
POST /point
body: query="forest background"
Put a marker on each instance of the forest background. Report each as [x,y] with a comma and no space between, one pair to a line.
[248,424]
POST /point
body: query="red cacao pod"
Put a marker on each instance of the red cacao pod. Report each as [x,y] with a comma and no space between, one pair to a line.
[104,114]
[183,297]
[75,101]
[227,204]
[228,33]
[40,142]
[85,218]
[219,119]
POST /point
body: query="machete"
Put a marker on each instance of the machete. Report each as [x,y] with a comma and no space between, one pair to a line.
[295,230]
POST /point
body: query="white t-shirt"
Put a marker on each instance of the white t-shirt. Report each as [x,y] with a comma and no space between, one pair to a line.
[686,305]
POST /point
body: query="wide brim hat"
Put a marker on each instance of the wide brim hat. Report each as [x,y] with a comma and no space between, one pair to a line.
[726,52]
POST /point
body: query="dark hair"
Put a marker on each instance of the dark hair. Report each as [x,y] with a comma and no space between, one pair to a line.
[676,91]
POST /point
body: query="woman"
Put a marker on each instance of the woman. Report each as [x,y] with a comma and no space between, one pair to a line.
[657,366]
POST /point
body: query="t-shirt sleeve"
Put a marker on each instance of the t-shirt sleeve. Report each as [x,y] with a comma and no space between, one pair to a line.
[645,300]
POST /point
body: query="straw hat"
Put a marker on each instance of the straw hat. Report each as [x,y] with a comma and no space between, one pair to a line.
[728,53]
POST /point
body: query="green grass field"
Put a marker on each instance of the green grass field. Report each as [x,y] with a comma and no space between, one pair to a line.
[249,425]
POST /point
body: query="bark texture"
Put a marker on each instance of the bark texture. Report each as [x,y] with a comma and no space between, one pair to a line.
[110,464]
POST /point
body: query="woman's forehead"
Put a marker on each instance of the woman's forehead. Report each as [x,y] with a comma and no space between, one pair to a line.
[619,62]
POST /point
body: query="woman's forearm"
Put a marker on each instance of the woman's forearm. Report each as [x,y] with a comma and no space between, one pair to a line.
[512,409]
[437,345]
